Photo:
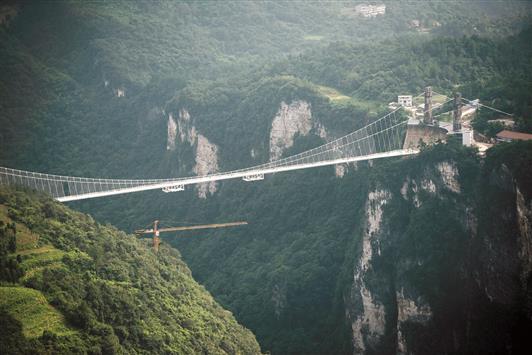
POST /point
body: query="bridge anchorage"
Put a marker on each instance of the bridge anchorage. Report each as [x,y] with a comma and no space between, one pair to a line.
[392,135]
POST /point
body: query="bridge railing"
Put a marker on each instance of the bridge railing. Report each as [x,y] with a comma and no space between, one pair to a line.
[386,134]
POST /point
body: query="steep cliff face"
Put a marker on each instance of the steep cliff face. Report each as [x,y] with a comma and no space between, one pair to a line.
[504,244]
[206,163]
[382,306]
[368,322]
[426,254]
[409,311]
[291,119]
[187,131]
[444,261]
[449,174]
[205,152]
[172,133]
[524,220]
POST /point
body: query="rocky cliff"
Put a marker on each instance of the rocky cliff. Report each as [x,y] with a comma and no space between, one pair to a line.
[444,259]
[205,153]
[291,119]
[428,254]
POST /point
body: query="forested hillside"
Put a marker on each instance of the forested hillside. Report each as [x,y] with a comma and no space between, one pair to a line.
[355,258]
[70,285]
[66,63]
[485,67]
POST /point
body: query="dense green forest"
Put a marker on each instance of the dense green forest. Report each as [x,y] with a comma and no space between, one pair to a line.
[60,85]
[295,265]
[87,89]
[70,285]
[478,67]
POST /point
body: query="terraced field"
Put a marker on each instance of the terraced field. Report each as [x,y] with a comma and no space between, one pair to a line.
[27,305]
[35,261]
[32,310]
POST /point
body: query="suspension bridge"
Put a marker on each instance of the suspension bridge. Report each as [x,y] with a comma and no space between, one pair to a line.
[383,138]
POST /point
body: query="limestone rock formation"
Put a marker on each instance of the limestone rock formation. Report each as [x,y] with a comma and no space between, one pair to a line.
[291,119]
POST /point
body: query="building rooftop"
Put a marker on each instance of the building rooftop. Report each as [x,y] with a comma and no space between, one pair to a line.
[514,135]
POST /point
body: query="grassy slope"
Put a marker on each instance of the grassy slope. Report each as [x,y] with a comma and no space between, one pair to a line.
[33,311]
[94,287]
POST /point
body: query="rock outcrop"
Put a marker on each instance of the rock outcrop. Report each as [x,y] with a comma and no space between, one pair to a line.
[120,92]
[449,174]
[524,220]
[187,131]
[172,133]
[291,119]
[398,297]
[385,305]
[409,310]
[206,163]
[368,324]
[205,152]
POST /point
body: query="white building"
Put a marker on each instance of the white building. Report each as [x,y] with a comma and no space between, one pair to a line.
[405,100]
[367,10]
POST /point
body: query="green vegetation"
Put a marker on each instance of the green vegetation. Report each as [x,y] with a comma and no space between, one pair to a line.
[516,157]
[296,265]
[496,71]
[287,276]
[41,256]
[291,269]
[332,94]
[33,311]
[88,288]
[60,84]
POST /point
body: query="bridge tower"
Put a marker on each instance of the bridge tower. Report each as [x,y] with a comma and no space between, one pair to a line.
[427,116]
[457,112]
